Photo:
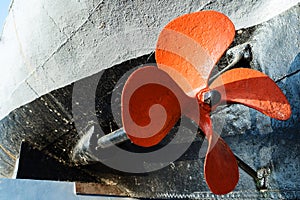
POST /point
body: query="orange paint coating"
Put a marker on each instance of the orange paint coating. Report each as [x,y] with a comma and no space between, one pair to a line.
[254,89]
[150,105]
[187,50]
[220,167]
[149,86]
[206,34]
[140,104]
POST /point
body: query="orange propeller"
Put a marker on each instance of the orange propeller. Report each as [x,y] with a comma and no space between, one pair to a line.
[189,47]
[153,99]
[254,89]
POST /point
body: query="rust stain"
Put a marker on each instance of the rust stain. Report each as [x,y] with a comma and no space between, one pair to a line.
[8,153]
[99,189]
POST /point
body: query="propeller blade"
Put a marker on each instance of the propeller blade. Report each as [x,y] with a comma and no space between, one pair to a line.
[189,46]
[220,167]
[253,89]
[150,105]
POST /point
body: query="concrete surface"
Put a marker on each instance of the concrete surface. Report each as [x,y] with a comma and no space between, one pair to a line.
[31,189]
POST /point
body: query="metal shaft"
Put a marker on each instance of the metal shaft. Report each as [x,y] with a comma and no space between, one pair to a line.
[113,138]
[243,54]
[120,136]
[246,168]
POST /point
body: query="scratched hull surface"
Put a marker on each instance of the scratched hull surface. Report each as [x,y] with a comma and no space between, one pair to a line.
[47,122]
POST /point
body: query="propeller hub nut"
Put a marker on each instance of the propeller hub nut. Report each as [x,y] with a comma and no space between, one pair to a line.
[209,97]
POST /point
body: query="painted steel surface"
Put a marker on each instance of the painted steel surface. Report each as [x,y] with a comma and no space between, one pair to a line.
[187,50]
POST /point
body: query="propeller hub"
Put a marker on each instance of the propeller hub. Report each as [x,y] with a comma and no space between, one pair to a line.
[209,97]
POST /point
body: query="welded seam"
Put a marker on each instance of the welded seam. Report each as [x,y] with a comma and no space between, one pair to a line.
[241,194]
[53,53]
[60,106]
[66,113]
[31,88]
[71,36]
[54,22]
[6,162]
